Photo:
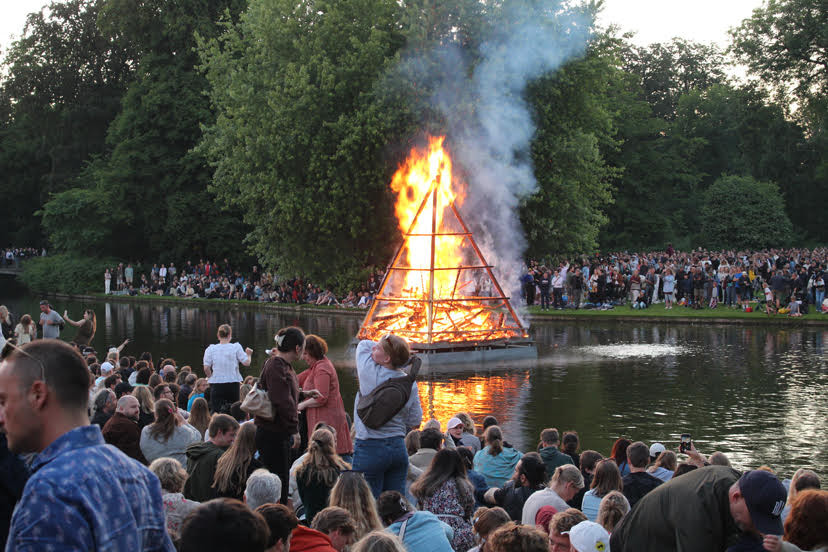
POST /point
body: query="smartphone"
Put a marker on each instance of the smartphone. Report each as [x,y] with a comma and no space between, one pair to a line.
[686,442]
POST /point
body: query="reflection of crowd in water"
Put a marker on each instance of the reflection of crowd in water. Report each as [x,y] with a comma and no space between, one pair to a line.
[281,456]
[781,280]
[213,280]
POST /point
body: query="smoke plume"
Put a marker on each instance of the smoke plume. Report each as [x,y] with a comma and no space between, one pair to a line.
[489,123]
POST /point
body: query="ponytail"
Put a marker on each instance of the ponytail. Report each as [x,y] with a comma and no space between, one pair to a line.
[494,440]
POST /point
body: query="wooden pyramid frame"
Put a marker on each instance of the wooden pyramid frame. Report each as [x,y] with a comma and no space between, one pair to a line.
[432,302]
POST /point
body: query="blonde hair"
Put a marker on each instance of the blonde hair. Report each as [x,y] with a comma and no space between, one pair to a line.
[468,422]
[352,493]
[322,463]
[145,400]
[170,472]
[613,507]
[232,466]
[395,347]
[195,390]
[379,541]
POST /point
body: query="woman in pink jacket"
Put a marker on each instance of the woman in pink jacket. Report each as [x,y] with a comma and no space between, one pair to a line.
[329,408]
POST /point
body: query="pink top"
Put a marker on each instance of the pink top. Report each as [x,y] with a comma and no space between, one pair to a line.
[321,375]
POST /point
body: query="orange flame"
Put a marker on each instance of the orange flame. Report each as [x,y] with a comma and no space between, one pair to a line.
[431,293]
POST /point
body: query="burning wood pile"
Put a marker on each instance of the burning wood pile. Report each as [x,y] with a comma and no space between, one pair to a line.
[438,288]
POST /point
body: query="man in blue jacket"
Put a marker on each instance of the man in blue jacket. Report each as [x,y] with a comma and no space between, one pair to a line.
[66,504]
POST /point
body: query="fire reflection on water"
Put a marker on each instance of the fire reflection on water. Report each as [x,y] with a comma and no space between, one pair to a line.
[478,395]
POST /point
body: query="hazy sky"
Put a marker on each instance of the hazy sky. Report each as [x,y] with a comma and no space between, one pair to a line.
[652,20]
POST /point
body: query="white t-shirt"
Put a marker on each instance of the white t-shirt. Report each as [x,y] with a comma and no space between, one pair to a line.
[539,499]
[223,359]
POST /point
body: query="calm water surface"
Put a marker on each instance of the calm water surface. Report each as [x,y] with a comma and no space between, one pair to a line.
[759,394]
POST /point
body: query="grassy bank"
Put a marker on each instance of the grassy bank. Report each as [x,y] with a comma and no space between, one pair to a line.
[658,312]
[655,313]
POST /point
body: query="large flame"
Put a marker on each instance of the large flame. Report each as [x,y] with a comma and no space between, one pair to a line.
[438,288]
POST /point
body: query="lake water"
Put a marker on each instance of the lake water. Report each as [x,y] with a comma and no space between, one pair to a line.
[759,394]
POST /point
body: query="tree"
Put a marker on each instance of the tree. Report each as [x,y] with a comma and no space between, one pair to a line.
[667,71]
[63,87]
[785,44]
[299,145]
[153,183]
[741,132]
[574,128]
[743,213]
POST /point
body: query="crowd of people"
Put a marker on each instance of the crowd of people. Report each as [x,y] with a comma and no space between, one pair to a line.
[115,451]
[785,281]
[213,280]
[12,256]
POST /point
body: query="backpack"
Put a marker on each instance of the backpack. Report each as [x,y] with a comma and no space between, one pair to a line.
[387,399]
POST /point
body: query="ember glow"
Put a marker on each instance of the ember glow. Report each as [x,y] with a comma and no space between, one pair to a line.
[439,287]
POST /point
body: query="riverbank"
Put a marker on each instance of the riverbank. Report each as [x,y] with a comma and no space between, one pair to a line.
[654,314]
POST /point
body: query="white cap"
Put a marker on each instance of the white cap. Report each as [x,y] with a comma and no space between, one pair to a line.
[106,367]
[656,449]
[113,349]
[588,536]
[454,422]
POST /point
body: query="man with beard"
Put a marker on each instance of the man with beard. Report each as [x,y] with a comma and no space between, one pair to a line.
[122,429]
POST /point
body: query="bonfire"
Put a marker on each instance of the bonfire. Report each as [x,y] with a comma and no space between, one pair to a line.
[438,288]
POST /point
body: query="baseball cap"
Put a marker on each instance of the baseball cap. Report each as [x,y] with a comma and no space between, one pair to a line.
[656,449]
[588,536]
[765,497]
[454,422]
[106,367]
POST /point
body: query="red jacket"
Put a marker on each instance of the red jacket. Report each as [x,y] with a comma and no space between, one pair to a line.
[304,539]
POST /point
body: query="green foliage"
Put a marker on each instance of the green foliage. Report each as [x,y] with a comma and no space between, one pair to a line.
[743,213]
[667,71]
[574,124]
[63,87]
[65,274]
[785,44]
[153,186]
[299,144]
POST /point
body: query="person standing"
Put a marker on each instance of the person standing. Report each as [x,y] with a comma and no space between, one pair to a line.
[6,322]
[276,436]
[328,406]
[86,327]
[107,281]
[380,453]
[50,321]
[25,331]
[221,366]
[43,403]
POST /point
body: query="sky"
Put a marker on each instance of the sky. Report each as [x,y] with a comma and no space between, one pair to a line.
[651,20]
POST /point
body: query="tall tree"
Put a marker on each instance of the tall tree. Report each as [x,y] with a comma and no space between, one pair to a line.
[300,143]
[667,71]
[63,85]
[575,128]
[152,189]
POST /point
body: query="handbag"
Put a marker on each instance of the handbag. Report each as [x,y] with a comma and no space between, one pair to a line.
[258,403]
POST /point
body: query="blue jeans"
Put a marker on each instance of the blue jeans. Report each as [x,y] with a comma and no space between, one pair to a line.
[383,462]
[820,296]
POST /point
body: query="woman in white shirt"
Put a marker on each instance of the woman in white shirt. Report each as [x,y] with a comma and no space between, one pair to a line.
[221,366]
